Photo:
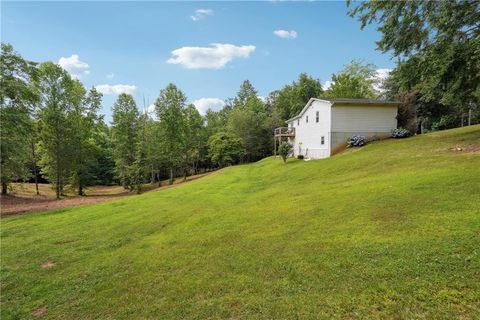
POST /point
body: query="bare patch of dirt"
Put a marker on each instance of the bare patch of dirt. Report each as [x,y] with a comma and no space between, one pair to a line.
[18,205]
[466,149]
[39,311]
[49,264]
[24,200]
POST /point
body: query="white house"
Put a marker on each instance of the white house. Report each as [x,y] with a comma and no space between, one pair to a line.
[325,124]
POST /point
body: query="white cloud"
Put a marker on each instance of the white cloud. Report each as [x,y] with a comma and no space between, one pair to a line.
[151,109]
[110,76]
[263,98]
[203,104]
[116,88]
[327,85]
[292,34]
[201,13]
[214,57]
[380,76]
[74,66]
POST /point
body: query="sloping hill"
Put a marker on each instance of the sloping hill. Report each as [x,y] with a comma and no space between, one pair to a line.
[389,231]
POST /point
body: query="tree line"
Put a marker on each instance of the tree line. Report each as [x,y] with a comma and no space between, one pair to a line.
[52,128]
[50,123]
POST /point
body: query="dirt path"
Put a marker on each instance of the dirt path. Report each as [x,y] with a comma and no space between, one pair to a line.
[24,200]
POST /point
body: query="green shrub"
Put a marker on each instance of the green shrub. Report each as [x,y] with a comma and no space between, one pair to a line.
[445,122]
[285,150]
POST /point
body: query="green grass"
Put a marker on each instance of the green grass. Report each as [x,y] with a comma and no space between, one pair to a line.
[389,231]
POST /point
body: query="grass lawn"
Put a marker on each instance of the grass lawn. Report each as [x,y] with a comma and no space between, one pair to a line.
[390,231]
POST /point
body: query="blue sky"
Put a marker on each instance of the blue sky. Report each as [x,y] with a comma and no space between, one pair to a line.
[206,48]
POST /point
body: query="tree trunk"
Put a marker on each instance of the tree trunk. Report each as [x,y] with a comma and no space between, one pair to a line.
[184,175]
[34,158]
[4,188]
[80,189]
[158,178]
[171,176]
[59,187]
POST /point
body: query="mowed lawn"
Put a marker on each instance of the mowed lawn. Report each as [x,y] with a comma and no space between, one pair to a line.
[391,231]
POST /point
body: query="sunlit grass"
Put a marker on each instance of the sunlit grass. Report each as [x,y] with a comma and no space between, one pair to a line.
[390,231]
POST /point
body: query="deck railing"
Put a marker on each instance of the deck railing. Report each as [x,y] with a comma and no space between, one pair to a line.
[285,132]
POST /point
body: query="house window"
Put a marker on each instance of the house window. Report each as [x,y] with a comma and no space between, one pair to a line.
[322,140]
[307,119]
[298,122]
[317,116]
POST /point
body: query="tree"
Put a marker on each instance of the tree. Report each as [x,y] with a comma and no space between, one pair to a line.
[248,119]
[17,97]
[104,169]
[216,121]
[169,108]
[437,44]
[156,158]
[225,149]
[124,138]
[140,165]
[410,27]
[252,128]
[291,99]
[34,155]
[57,96]
[194,137]
[284,150]
[83,118]
[356,80]
[245,93]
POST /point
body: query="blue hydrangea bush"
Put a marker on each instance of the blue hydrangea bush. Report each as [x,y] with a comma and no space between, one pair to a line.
[400,133]
[356,141]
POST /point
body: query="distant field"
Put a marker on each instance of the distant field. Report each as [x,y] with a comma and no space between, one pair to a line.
[23,198]
[391,231]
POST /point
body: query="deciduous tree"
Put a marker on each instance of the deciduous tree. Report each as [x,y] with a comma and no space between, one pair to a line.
[291,99]
[225,149]
[356,80]
[437,44]
[17,97]
[57,91]
[169,108]
[124,138]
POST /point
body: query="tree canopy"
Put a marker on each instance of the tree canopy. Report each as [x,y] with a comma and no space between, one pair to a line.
[437,44]
[356,80]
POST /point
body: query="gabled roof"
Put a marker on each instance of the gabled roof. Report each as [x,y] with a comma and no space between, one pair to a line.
[343,101]
[359,101]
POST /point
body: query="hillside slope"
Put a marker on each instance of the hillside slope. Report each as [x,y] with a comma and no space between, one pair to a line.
[388,231]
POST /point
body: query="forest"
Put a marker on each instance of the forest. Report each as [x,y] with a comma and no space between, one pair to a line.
[52,130]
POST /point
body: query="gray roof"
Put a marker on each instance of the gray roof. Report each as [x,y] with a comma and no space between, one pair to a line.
[359,100]
[334,101]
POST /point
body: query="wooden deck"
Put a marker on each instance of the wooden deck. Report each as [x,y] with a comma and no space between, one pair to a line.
[284,132]
[281,134]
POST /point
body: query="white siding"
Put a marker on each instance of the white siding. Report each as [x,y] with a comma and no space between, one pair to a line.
[308,135]
[364,118]
[337,123]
